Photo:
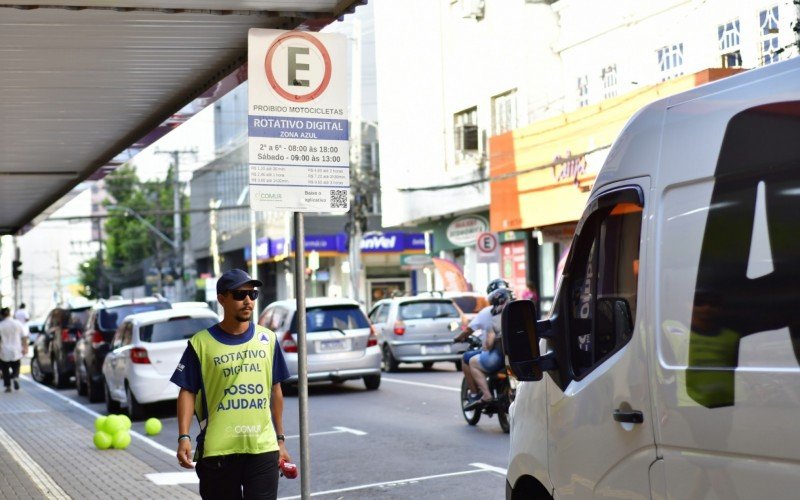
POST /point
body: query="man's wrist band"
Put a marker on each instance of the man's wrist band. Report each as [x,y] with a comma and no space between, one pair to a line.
[281,437]
[184,436]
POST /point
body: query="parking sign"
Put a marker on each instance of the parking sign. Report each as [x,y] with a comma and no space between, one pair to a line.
[488,248]
[298,124]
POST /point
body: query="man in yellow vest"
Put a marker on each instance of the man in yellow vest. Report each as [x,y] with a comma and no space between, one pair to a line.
[230,378]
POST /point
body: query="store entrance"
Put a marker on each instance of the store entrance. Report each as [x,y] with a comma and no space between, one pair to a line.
[384,288]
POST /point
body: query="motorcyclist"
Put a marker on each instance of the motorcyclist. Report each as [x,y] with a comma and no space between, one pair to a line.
[481,323]
[490,359]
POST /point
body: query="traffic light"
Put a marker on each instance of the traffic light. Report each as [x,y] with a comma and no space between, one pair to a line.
[16,269]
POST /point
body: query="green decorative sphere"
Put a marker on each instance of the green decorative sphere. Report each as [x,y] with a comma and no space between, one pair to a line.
[102,440]
[121,440]
[127,421]
[113,424]
[152,426]
[99,422]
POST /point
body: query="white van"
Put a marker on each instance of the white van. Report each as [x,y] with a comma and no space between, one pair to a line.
[668,367]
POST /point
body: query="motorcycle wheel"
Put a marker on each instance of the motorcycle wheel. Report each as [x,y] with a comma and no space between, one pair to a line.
[502,412]
[472,417]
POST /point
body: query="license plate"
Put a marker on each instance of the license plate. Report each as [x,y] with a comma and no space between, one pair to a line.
[435,349]
[334,345]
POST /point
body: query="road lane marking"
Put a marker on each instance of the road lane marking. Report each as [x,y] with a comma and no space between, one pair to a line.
[173,478]
[391,483]
[490,468]
[93,413]
[421,384]
[42,480]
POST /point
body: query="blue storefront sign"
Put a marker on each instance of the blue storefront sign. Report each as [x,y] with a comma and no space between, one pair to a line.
[373,242]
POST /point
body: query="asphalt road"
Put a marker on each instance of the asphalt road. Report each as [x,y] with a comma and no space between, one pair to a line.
[408,439]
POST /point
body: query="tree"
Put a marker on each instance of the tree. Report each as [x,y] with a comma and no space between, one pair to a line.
[89,276]
[129,243]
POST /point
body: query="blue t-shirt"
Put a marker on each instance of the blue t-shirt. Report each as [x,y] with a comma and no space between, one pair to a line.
[187,375]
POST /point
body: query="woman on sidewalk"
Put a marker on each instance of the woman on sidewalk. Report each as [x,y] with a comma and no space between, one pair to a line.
[13,345]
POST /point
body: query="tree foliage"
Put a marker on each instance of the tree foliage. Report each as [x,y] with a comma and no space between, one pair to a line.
[130,244]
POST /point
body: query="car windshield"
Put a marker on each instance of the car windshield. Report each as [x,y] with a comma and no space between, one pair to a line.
[174,329]
[428,310]
[320,319]
[110,318]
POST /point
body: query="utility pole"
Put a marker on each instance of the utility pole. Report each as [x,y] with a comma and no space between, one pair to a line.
[213,205]
[177,218]
[355,225]
[17,284]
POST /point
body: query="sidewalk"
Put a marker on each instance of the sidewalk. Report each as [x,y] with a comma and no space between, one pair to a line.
[46,453]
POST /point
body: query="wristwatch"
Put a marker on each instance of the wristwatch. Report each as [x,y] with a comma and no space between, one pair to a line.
[280,437]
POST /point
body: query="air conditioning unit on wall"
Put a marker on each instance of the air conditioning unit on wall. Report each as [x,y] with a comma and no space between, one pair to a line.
[472,9]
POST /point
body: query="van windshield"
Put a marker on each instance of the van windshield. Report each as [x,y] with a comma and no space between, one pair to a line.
[428,310]
[174,329]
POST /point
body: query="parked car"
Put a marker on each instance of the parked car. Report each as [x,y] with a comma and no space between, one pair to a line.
[470,303]
[418,329]
[145,350]
[103,321]
[341,342]
[53,356]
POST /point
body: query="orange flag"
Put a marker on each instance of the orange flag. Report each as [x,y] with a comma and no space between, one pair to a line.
[451,274]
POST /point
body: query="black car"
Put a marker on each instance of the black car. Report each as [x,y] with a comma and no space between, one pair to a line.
[53,351]
[103,320]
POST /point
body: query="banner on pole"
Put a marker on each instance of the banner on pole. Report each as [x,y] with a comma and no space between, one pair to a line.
[298,128]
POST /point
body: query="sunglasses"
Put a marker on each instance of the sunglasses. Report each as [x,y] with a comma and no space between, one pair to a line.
[239,295]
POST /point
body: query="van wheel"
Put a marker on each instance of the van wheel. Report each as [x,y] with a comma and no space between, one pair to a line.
[390,364]
[36,370]
[427,365]
[136,410]
[288,389]
[473,416]
[372,382]
[458,365]
[80,383]
[111,406]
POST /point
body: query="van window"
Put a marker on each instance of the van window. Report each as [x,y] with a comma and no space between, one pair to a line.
[602,282]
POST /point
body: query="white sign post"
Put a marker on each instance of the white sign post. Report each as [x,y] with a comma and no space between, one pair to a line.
[488,248]
[299,153]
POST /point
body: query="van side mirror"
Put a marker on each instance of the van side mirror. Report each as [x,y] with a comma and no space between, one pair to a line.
[34,329]
[521,334]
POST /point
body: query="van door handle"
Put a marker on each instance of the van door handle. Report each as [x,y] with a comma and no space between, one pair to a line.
[629,416]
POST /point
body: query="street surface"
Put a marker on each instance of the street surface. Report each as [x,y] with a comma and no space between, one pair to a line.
[406,440]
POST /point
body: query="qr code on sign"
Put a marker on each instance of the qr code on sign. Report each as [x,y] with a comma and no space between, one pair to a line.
[338,198]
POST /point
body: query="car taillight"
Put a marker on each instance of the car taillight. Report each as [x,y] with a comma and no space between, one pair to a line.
[399,328]
[97,339]
[287,343]
[139,356]
[67,335]
[372,340]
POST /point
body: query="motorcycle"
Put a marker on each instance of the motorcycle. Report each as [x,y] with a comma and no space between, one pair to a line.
[500,385]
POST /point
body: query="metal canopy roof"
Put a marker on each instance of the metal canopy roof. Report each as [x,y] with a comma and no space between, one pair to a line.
[80,82]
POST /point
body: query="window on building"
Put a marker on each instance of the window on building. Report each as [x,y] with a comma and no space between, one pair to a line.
[504,112]
[601,282]
[768,21]
[729,39]
[670,61]
[466,132]
[610,81]
[583,91]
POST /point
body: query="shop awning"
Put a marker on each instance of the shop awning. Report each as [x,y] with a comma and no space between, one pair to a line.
[83,81]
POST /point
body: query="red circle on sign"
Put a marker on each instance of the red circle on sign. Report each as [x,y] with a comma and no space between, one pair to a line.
[326,78]
[489,238]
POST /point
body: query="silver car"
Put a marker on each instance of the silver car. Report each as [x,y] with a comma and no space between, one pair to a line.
[342,344]
[418,329]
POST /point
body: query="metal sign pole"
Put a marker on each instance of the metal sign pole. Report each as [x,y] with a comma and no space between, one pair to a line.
[302,357]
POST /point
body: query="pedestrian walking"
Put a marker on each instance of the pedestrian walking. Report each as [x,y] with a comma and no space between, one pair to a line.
[21,314]
[237,368]
[13,346]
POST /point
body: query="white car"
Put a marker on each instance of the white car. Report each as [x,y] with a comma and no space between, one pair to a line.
[342,344]
[145,351]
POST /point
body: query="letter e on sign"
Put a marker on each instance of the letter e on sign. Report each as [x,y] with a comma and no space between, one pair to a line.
[298,66]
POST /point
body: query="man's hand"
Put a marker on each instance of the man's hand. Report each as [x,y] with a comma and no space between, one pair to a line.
[283,454]
[185,453]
